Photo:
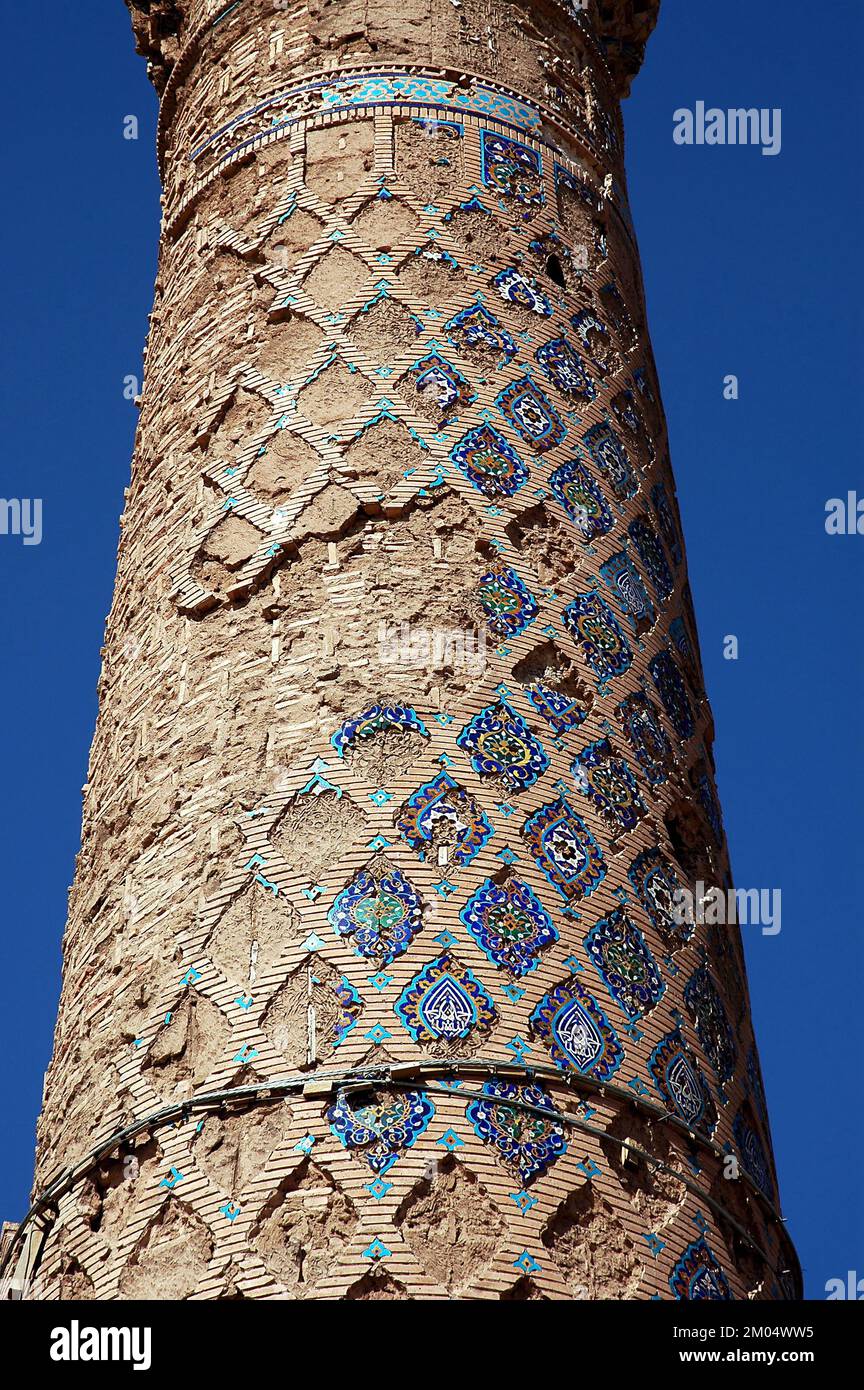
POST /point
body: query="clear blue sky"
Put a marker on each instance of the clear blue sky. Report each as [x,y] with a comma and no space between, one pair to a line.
[751,265]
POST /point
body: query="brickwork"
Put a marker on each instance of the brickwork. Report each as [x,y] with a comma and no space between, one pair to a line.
[403,745]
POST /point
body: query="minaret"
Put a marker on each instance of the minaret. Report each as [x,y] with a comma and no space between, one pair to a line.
[375,982]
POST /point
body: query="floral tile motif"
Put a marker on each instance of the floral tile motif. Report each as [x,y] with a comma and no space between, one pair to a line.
[438,379]
[666,521]
[530,412]
[561,711]
[314,984]
[623,578]
[512,169]
[564,849]
[508,604]
[514,288]
[445,1003]
[655,882]
[510,924]
[610,784]
[442,807]
[381,1129]
[450,130]
[350,1007]
[713,1029]
[582,500]
[501,745]
[566,370]
[752,1151]
[754,1081]
[576,1032]
[703,785]
[653,557]
[489,462]
[670,687]
[640,720]
[642,382]
[380,914]
[629,416]
[555,256]
[620,955]
[697,1275]
[476,327]
[610,457]
[527,1143]
[566,178]
[680,1083]
[375,720]
[619,316]
[680,638]
[594,627]
[595,341]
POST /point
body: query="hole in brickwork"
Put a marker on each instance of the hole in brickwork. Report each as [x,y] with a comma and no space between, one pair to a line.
[116,1185]
[555,271]
[522,1291]
[374,1286]
[548,666]
[552,258]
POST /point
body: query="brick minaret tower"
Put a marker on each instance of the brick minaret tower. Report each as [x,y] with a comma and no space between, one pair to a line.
[373,984]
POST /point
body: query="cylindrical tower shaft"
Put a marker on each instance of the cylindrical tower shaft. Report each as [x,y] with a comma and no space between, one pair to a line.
[374,981]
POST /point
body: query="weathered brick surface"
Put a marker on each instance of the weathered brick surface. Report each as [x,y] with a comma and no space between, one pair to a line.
[342,182]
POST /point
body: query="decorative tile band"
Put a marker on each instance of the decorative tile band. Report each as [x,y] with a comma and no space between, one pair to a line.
[378,89]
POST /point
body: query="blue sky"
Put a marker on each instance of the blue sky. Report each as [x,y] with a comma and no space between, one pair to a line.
[750,266]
